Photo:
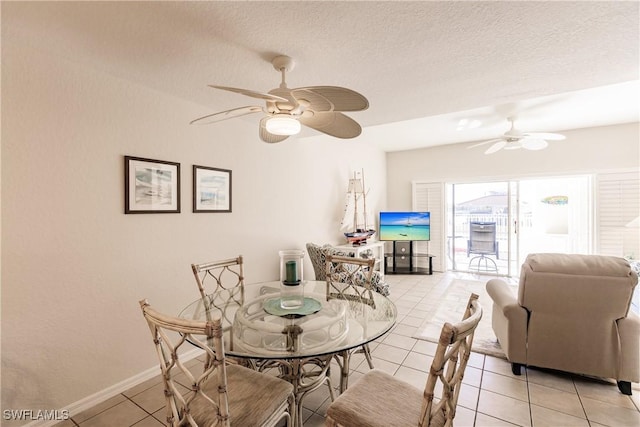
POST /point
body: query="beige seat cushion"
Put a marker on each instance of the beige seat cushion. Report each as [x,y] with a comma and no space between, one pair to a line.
[396,403]
[253,398]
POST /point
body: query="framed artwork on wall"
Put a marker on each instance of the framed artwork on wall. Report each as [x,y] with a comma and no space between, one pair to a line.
[151,186]
[211,189]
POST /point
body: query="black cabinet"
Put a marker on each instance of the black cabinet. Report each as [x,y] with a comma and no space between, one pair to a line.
[405,260]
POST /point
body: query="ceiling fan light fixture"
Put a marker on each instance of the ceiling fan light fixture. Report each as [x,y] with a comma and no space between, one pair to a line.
[282,124]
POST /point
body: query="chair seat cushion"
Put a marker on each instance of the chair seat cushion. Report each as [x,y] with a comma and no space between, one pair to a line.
[396,403]
[253,398]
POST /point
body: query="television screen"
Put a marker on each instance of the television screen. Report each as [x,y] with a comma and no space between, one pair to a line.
[404,226]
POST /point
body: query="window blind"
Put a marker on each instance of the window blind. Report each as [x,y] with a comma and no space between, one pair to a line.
[617,204]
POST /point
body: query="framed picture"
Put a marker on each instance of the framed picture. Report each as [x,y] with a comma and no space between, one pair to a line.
[151,186]
[211,189]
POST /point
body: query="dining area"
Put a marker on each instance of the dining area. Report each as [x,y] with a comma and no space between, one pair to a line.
[263,348]
[268,344]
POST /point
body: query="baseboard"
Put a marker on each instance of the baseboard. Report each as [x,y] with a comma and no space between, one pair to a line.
[109,392]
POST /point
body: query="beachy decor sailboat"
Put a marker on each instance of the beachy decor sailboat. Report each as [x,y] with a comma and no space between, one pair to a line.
[355,222]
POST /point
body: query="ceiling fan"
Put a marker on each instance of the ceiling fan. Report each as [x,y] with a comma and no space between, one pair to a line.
[515,138]
[318,107]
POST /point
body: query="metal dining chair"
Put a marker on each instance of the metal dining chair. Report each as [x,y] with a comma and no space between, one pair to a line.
[224,394]
[381,400]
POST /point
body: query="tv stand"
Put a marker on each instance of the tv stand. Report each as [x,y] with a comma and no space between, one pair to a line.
[404,260]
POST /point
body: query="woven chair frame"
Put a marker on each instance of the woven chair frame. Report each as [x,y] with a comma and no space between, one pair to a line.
[448,366]
[225,275]
[349,278]
[169,335]
[221,287]
[167,347]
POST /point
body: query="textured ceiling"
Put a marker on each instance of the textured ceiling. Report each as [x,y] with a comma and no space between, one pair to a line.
[422,65]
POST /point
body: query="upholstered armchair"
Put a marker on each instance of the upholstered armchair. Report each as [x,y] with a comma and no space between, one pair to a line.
[572,314]
[318,256]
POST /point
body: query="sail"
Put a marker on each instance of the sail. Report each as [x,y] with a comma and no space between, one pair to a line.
[356,215]
[347,218]
[352,220]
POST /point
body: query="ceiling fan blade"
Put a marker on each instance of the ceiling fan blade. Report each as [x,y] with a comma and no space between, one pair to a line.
[484,143]
[251,93]
[224,115]
[331,98]
[547,136]
[332,123]
[266,136]
[496,147]
[534,144]
[515,145]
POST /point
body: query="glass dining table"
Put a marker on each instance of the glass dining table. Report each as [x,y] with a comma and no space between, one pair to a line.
[300,343]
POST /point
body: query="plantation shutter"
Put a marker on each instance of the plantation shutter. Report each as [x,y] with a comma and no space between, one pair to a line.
[429,197]
[618,204]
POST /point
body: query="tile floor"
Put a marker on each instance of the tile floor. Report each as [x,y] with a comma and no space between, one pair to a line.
[491,396]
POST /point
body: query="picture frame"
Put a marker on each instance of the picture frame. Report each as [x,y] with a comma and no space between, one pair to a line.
[151,186]
[212,190]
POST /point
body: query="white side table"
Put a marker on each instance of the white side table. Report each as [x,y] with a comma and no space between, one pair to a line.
[378,253]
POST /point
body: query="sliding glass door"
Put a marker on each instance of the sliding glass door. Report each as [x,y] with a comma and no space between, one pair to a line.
[557,216]
[479,238]
[493,226]
[515,219]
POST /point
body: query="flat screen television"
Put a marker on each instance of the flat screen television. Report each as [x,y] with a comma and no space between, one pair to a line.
[405,226]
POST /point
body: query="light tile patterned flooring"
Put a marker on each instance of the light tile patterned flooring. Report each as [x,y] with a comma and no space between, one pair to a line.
[491,394]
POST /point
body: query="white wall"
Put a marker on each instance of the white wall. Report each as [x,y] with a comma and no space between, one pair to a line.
[75,266]
[589,150]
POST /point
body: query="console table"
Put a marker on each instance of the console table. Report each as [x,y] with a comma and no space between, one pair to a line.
[403,260]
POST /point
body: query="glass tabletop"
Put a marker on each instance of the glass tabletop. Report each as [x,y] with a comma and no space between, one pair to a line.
[255,326]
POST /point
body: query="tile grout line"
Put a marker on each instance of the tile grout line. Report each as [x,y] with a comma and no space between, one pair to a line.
[78,423]
[575,387]
[144,410]
[526,378]
[475,413]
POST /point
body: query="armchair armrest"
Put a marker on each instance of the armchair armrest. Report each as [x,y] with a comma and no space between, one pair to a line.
[509,321]
[502,296]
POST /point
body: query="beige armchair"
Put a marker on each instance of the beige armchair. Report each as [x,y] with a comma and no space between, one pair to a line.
[571,314]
